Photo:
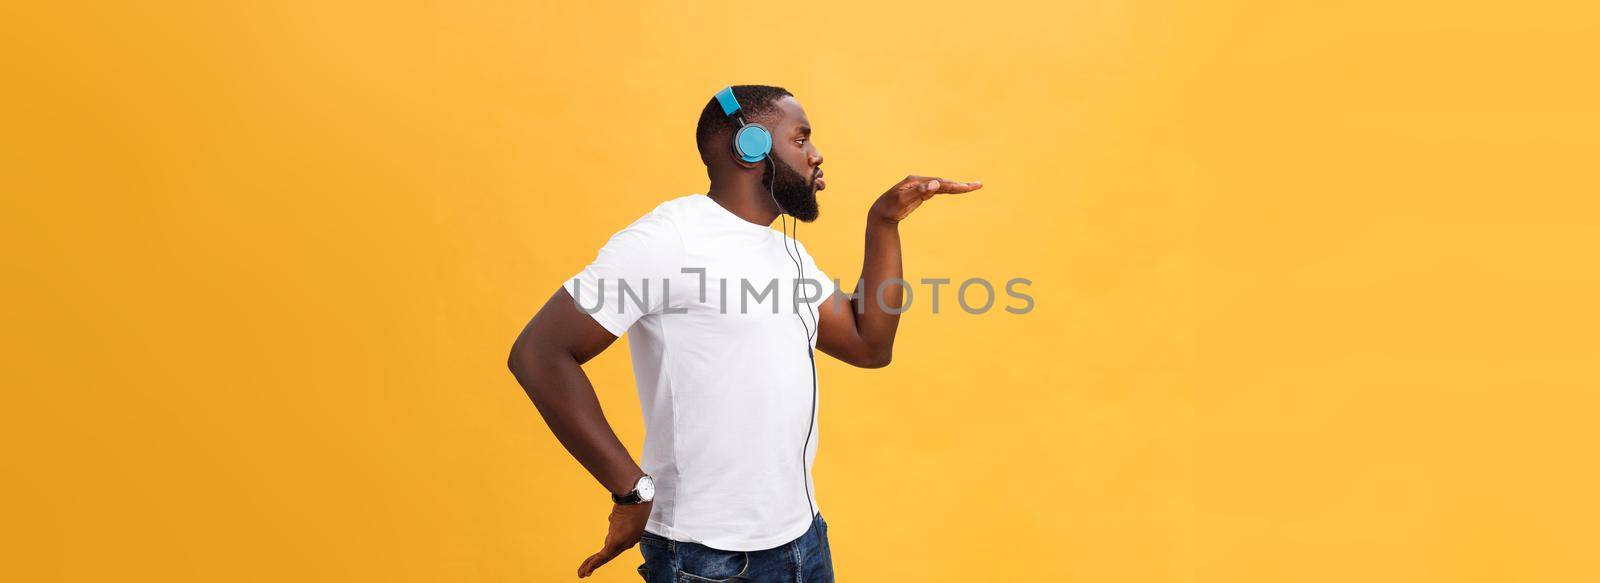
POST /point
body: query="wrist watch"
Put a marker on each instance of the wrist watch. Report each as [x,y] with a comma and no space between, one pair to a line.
[643,491]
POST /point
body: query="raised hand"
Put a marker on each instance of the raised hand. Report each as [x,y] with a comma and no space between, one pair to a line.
[625,530]
[896,204]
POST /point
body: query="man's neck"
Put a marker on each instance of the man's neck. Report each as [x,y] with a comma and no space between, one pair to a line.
[750,202]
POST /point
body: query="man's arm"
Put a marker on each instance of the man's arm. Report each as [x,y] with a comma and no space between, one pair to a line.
[547,359]
[860,331]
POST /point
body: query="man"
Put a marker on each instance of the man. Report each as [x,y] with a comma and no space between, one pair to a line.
[724,313]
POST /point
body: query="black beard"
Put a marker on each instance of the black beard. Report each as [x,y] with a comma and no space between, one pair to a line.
[795,195]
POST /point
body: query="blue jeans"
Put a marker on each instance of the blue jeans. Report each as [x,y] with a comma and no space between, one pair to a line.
[802,560]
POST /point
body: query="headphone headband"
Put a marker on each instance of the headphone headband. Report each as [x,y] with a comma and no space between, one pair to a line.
[730,104]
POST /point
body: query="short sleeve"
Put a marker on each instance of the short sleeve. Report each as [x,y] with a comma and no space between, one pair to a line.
[627,278]
[815,273]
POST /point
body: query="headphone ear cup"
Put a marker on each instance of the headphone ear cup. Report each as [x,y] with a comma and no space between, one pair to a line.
[752,143]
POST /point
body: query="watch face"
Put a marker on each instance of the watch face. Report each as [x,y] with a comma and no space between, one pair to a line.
[647,488]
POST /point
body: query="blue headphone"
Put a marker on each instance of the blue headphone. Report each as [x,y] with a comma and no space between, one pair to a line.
[753,141]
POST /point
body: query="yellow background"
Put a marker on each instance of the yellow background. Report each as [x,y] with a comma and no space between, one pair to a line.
[1315,283]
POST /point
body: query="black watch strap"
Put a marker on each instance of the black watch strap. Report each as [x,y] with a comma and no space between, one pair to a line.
[634,496]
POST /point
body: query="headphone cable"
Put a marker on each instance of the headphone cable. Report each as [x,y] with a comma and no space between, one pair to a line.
[805,446]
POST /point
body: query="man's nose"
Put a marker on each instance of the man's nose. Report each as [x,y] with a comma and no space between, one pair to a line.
[816,156]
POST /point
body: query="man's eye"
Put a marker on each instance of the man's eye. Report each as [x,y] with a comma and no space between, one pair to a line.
[801,141]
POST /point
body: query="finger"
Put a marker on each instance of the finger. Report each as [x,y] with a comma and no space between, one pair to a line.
[601,558]
[960,187]
[588,566]
[955,187]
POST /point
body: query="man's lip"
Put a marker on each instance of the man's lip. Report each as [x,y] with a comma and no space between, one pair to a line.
[819,181]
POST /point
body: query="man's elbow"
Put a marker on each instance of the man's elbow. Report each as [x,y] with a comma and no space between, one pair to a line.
[514,361]
[878,359]
[522,357]
[528,368]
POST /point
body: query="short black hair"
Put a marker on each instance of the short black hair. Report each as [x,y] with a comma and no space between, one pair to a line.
[714,134]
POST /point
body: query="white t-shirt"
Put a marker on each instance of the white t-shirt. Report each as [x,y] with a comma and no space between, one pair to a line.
[720,359]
